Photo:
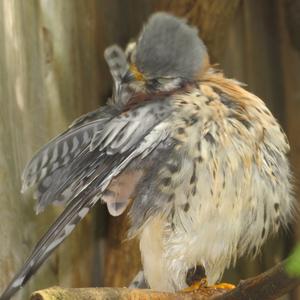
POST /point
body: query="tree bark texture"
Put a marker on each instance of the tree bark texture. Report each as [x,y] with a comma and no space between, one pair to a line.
[58,293]
[51,62]
[290,60]
[211,17]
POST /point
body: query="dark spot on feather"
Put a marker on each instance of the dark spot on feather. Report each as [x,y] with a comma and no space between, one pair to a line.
[254,250]
[117,66]
[225,100]
[186,121]
[171,198]
[173,226]
[223,183]
[193,178]
[113,55]
[265,214]
[193,119]
[199,159]
[166,181]
[194,190]
[173,168]
[135,113]
[263,233]
[276,207]
[152,111]
[196,107]
[209,99]
[186,207]
[214,174]
[246,123]
[198,95]
[172,212]
[181,130]
[211,192]
[199,145]
[209,138]
[277,221]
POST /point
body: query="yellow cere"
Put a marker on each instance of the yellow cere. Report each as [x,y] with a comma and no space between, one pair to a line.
[137,74]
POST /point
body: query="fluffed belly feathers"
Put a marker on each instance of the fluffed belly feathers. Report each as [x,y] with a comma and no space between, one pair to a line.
[228,187]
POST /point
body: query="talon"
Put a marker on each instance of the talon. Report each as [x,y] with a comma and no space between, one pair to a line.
[223,286]
[195,286]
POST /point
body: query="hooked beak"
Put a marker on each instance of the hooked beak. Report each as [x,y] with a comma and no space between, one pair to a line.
[133,74]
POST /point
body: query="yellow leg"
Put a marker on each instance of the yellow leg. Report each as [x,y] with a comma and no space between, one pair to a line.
[202,285]
[223,286]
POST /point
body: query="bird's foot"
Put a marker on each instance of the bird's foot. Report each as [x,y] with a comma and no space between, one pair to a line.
[196,285]
[202,285]
[223,286]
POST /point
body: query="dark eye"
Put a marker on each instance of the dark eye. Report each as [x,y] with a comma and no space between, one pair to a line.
[153,83]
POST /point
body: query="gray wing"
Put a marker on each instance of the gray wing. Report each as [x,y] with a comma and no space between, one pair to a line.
[90,172]
[65,147]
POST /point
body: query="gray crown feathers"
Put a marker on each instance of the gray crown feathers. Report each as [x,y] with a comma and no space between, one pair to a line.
[168,47]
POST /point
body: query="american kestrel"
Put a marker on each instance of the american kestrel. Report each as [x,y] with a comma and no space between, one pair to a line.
[200,161]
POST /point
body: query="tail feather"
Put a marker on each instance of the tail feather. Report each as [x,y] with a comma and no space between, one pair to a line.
[74,212]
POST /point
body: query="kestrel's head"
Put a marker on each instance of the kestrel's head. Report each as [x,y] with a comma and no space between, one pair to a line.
[167,54]
[169,48]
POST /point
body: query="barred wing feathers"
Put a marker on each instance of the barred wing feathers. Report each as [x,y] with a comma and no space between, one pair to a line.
[90,172]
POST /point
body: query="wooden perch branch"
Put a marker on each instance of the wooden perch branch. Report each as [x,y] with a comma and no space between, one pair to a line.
[268,286]
[58,293]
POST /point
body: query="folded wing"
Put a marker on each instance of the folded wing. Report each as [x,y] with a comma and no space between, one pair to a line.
[106,147]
